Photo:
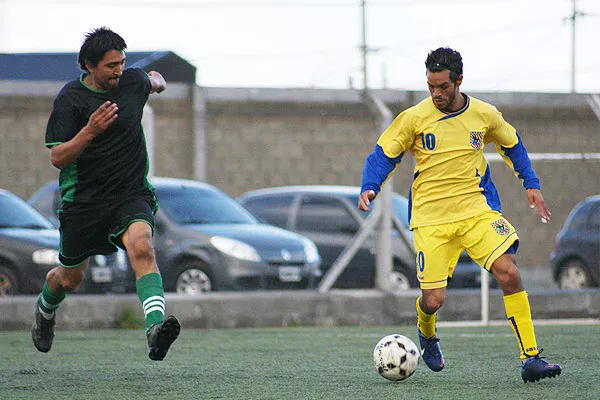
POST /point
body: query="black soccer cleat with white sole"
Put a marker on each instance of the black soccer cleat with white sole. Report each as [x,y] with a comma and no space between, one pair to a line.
[161,336]
[42,331]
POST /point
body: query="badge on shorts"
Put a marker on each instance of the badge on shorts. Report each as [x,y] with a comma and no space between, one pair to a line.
[476,140]
[501,227]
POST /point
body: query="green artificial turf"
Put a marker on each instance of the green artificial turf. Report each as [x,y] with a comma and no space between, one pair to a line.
[293,363]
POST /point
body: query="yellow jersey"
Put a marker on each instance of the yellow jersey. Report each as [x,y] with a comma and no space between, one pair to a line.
[452,178]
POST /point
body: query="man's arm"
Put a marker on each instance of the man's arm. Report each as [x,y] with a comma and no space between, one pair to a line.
[65,153]
[378,167]
[518,160]
[158,82]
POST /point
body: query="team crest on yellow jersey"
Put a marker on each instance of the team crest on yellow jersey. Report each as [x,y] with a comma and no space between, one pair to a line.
[501,227]
[476,140]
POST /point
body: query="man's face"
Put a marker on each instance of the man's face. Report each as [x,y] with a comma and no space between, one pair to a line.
[443,91]
[107,73]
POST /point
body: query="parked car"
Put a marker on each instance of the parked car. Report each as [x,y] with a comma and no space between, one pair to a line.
[575,260]
[29,249]
[329,216]
[206,241]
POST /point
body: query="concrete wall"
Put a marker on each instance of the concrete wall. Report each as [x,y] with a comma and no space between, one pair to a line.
[304,308]
[244,139]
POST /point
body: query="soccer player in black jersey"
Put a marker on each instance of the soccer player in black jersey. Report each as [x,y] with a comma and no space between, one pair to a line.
[95,138]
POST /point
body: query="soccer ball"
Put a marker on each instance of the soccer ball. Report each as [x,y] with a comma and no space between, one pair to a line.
[396,357]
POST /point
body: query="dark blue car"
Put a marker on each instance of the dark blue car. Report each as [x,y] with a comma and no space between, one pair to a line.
[576,257]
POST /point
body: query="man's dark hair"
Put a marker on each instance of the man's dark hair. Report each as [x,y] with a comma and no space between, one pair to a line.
[98,42]
[445,58]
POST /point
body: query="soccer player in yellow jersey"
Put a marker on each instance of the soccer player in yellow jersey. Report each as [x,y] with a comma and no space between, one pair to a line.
[453,204]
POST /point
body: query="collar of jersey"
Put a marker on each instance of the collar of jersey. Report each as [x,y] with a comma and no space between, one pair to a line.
[455,113]
[90,88]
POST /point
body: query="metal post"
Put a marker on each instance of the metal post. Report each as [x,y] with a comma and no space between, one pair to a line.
[199,110]
[349,251]
[485,297]
[383,258]
[148,126]
[593,101]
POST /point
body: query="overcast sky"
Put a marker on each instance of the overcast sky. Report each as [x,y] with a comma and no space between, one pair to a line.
[520,45]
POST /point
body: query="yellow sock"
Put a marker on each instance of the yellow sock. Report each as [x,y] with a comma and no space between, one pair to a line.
[519,318]
[425,322]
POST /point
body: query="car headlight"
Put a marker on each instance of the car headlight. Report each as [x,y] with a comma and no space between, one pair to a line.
[45,257]
[235,248]
[310,252]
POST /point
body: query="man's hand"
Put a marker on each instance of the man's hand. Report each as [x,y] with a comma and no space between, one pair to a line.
[364,200]
[101,119]
[536,199]
[65,153]
[158,82]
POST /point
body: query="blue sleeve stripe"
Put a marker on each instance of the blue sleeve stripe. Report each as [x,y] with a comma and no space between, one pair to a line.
[521,164]
[489,189]
[377,169]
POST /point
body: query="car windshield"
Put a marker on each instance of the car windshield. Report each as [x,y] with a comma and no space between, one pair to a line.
[198,205]
[16,213]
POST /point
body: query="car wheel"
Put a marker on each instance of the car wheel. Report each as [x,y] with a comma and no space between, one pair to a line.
[8,282]
[401,279]
[573,275]
[193,279]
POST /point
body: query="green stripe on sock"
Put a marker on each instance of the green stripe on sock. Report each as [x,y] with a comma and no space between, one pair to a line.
[152,296]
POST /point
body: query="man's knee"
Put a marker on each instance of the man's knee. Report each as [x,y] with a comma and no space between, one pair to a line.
[432,300]
[138,242]
[68,278]
[140,247]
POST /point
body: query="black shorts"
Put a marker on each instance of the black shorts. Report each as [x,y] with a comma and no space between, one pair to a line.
[90,229]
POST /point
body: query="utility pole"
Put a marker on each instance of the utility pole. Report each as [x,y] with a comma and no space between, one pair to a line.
[364,43]
[365,50]
[573,18]
[3,30]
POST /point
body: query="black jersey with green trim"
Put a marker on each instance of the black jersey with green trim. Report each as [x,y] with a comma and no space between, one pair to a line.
[115,164]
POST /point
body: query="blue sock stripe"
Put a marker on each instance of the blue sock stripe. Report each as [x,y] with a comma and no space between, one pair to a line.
[514,324]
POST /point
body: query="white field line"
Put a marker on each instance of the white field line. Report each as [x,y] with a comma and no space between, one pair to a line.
[565,321]
[495,157]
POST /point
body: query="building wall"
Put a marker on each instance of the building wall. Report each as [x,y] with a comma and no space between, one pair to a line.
[24,161]
[248,152]
[316,137]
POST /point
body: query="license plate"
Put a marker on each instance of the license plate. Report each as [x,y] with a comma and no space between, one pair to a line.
[290,274]
[102,275]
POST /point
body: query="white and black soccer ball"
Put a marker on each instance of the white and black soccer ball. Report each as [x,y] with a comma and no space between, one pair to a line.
[396,357]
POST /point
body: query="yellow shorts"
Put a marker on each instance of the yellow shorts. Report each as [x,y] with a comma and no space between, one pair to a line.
[438,247]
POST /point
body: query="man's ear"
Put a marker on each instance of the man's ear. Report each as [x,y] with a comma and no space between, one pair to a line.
[459,80]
